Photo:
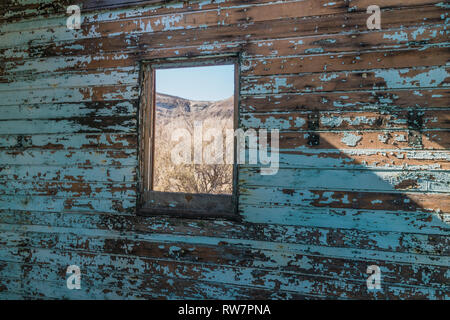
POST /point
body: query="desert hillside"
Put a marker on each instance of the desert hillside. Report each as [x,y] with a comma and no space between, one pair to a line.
[174,113]
[172,107]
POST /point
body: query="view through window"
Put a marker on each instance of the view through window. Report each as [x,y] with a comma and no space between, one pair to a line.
[193,130]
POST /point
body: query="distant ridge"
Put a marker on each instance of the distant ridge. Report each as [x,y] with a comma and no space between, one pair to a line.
[173,106]
[163,95]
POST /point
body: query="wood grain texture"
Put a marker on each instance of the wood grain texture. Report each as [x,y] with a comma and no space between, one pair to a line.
[364,163]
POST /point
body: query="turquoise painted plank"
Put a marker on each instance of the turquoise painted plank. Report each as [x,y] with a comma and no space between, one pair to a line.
[359,237]
[123,157]
[269,260]
[371,220]
[295,249]
[349,100]
[66,110]
[69,64]
[77,204]
[378,79]
[66,141]
[69,126]
[352,180]
[69,95]
[119,76]
[394,159]
[210,275]
[68,189]
[65,173]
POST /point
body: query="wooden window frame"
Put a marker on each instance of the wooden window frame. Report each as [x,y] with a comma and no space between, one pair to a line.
[187,205]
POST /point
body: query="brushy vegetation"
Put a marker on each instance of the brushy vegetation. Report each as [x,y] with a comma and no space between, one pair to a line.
[176,113]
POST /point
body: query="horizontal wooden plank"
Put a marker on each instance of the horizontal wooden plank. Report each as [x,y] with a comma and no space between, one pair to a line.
[363,4]
[70,95]
[120,286]
[247,13]
[374,100]
[361,60]
[64,173]
[167,245]
[407,78]
[360,219]
[350,180]
[119,76]
[11,295]
[188,20]
[66,141]
[403,241]
[387,140]
[339,120]
[206,277]
[68,189]
[303,199]
[126,124]
[141,8]
[156,288]
[353,42]
[85,158]
[18,11]
[364,230]
[69,110]
[22,11]
[50,203]
[402,38]
[74,125]
[190,255]
[61,64]
[8,285]
[212,258]
[365,159]
[294,27]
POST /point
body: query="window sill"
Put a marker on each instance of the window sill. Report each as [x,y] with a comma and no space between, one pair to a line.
[187,214]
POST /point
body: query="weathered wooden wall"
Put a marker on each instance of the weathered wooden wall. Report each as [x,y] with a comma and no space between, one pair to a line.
[364,177]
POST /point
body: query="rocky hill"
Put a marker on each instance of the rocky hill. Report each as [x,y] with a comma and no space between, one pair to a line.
[172,107]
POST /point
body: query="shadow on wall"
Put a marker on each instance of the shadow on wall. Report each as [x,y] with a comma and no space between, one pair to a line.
[406,183]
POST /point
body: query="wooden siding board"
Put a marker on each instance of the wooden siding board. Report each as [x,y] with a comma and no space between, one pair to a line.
[384,100]
[70,95]
[370,159]
[358,230]
[379,79]
[406,201]
[68,110]
[396,39]
[58,173]
[125,157]
[427,16]
[63,141]
[226,255]
[185,260]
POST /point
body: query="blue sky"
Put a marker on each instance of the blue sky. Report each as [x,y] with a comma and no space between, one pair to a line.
[197,83]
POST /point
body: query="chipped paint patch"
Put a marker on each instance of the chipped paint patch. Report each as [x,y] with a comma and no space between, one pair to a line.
[404,78]
[350,139]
